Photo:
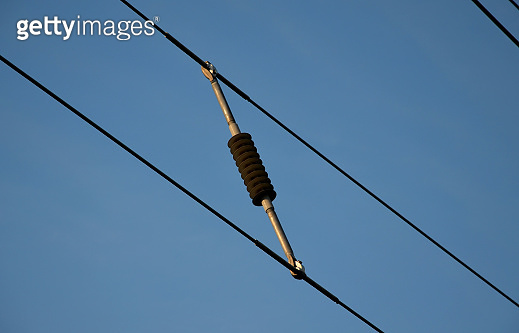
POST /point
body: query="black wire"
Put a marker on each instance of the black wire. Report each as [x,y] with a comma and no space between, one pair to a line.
[498,24]
[515,4]
[256,242]
[321,155]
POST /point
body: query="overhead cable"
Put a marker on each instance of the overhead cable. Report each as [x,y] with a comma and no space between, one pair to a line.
[256,242]
[498,24]
[238,91]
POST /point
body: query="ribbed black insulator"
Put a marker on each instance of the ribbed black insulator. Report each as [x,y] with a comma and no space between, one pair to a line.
[251,168]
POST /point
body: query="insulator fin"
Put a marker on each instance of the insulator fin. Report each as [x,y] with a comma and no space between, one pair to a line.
[251,168]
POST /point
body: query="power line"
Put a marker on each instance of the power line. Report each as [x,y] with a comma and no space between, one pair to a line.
[499,25]
[515,4]
[256,242]
[238,91]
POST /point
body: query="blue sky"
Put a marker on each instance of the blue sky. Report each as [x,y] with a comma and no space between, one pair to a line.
[416,100]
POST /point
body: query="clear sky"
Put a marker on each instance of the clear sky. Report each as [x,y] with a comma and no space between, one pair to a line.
[417,100]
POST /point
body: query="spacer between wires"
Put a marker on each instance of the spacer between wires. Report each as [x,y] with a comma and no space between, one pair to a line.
[252,170]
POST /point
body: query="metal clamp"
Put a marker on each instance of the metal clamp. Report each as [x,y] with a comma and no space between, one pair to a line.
[298,265]
[211,72]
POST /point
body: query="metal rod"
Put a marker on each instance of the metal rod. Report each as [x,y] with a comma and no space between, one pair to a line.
[280,233]
[233,127]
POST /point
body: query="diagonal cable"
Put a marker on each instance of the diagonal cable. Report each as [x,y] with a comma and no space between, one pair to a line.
[515,4]
[318,153]
[497,23]
[256,242]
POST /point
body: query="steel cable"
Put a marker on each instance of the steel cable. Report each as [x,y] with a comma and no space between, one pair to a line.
[497,23]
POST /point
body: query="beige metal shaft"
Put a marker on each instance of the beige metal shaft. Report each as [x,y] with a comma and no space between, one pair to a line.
[280,233]
[233,127]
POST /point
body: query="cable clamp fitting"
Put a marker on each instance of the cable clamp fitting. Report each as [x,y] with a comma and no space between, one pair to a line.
[211,72]
[298,265]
